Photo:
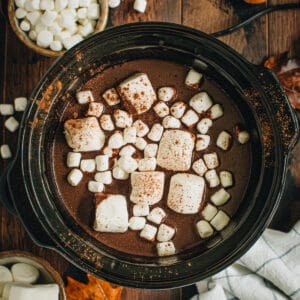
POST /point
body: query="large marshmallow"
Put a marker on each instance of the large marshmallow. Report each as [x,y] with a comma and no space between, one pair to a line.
[193,78]
[141,128]
[201,102]
[165,248]
[122,118]
[165,233]
[156,132]
[166,93]
[177,109]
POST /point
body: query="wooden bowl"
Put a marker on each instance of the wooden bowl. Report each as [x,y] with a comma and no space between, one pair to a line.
[23,36]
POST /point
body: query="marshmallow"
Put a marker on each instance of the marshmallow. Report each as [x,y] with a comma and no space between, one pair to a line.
[137,223]
[171,122]
[88,165]
[202,142]
[201,102]
[137,93]
[127,151]
[25,273]
[20,13]
[140,143]
[119,173]
[129,135]
[114,3]
[141,128]
[108,151]
[116,141]
[209,212]
[140,5]
[84,135]
[216,111]
[150,150]
[111,214]
[165,233]
[111,97]
[102,162]
[73,159]
[177,109]
[128,164]
[224,140]
[141,210]
[156,215]
[56,46]
[72,41]
[204,125]
[193,78]
[5,152]
[46,5]
[175,150]
[155,132]
[84,97]
[32,35]
[25,26]
[20,3]
[104,177]
[204,229]
[165,249]
[243,137]
[190,118]
[122,118]
[185,193]
[95,109]
[84,3]
[161,109]
[199,167]
[44,38]
[166,93]
[73,4]
[11,124]
[226,179]
[33,17]
[147,187]
[147,164]
[6,109]
[62,35]
[60,4]
[82,13]
[211,160]
[31,5]
[74,177]
[95,187]
[220,220]
[107,123]
[48,17]
[67,18]
[55,29]
[86,29]
[212,178]
[148,232]
[220,197]
[5,277]
[93,11]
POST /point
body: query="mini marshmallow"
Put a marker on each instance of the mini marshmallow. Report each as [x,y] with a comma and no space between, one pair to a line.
[32,35]
[88,165]
[211,160]
[161,109]
[137,223]
[122,118]
[62,35]
[193,78]
[102,162]
[171,122]
[72,41]
[111,97]
[108,151]
[20,3]
[156,215]
[33,17]
[104,177]
[31,5]
[73,159]
[46,5]
[119,173]
[177,109]
[140,143]
[84,3]
[165,248]
[60,4]
[140,5]
[220,220]
[209,212]
[44,38]
[107,123]
[6,109]
[148,232]
[48,17]
[56,46]
[84,97]
[141,210]
[204,125]
[116,141]
[25,26]
[212,178]
[155,132]
[243,137]
[202,142]
[201,102]
[114,3]
[141,128]
[220,197]
[128,164]
[150,150]
[216,111]
[95,109]
[199,167]
[129,135]
[11,124]
[5,152]
[127,151]
[204,229]
[226,179]
[20,13]
[165,233]
[224,140]
[67,18]
[190,118]
[74,177]
[82,13]
[24,273]
[87,29]
[147,164]
[93,11]
[95,187]
[20,103]
[166,93]
[73,4]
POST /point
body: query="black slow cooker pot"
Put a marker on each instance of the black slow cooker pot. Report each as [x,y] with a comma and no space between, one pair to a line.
[30,191]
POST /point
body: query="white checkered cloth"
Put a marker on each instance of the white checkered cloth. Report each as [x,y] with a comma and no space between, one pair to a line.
[269,270]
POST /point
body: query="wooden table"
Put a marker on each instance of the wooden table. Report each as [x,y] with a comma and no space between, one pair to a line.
[20,70]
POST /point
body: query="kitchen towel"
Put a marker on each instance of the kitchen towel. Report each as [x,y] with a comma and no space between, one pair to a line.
[269,270]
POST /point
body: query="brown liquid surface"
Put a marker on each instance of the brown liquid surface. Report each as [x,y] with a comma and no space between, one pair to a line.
[80,202]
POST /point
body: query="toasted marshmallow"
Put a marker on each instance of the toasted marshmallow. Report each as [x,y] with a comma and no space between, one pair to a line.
[216,111]
[95,186]
[87,165]
[6,109]
[128,164]
[102,162]
[147,187]
[20,103]
[199,167]
[95,109]
[155,132]
[74,177]
[202,142]
[137,223]
[166,93]
[137,93]
[119,173]
[141,128]
[5,152]
[111,97]
[204,229]
[127,151]
[129,135]
[175,150]
[243,137]
[11,124]
[122,118]
[204,125]
[177,109]
[165,233]
[193,78]
[201,102]
[224,140]
[111,214]
[156,215]
[190,118]
[185,193]
[107,123]
[220,197]
[141,210]
[150,150]
[211,160]
[212,178]
[148,232]
[104,177]
[84,134]
[209,212]
[220,220]
[165,248]
[116,141]
[171,122]
[226,179]
[147,164]
[140,143]
[73,159]
[161,109]
[84,97]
